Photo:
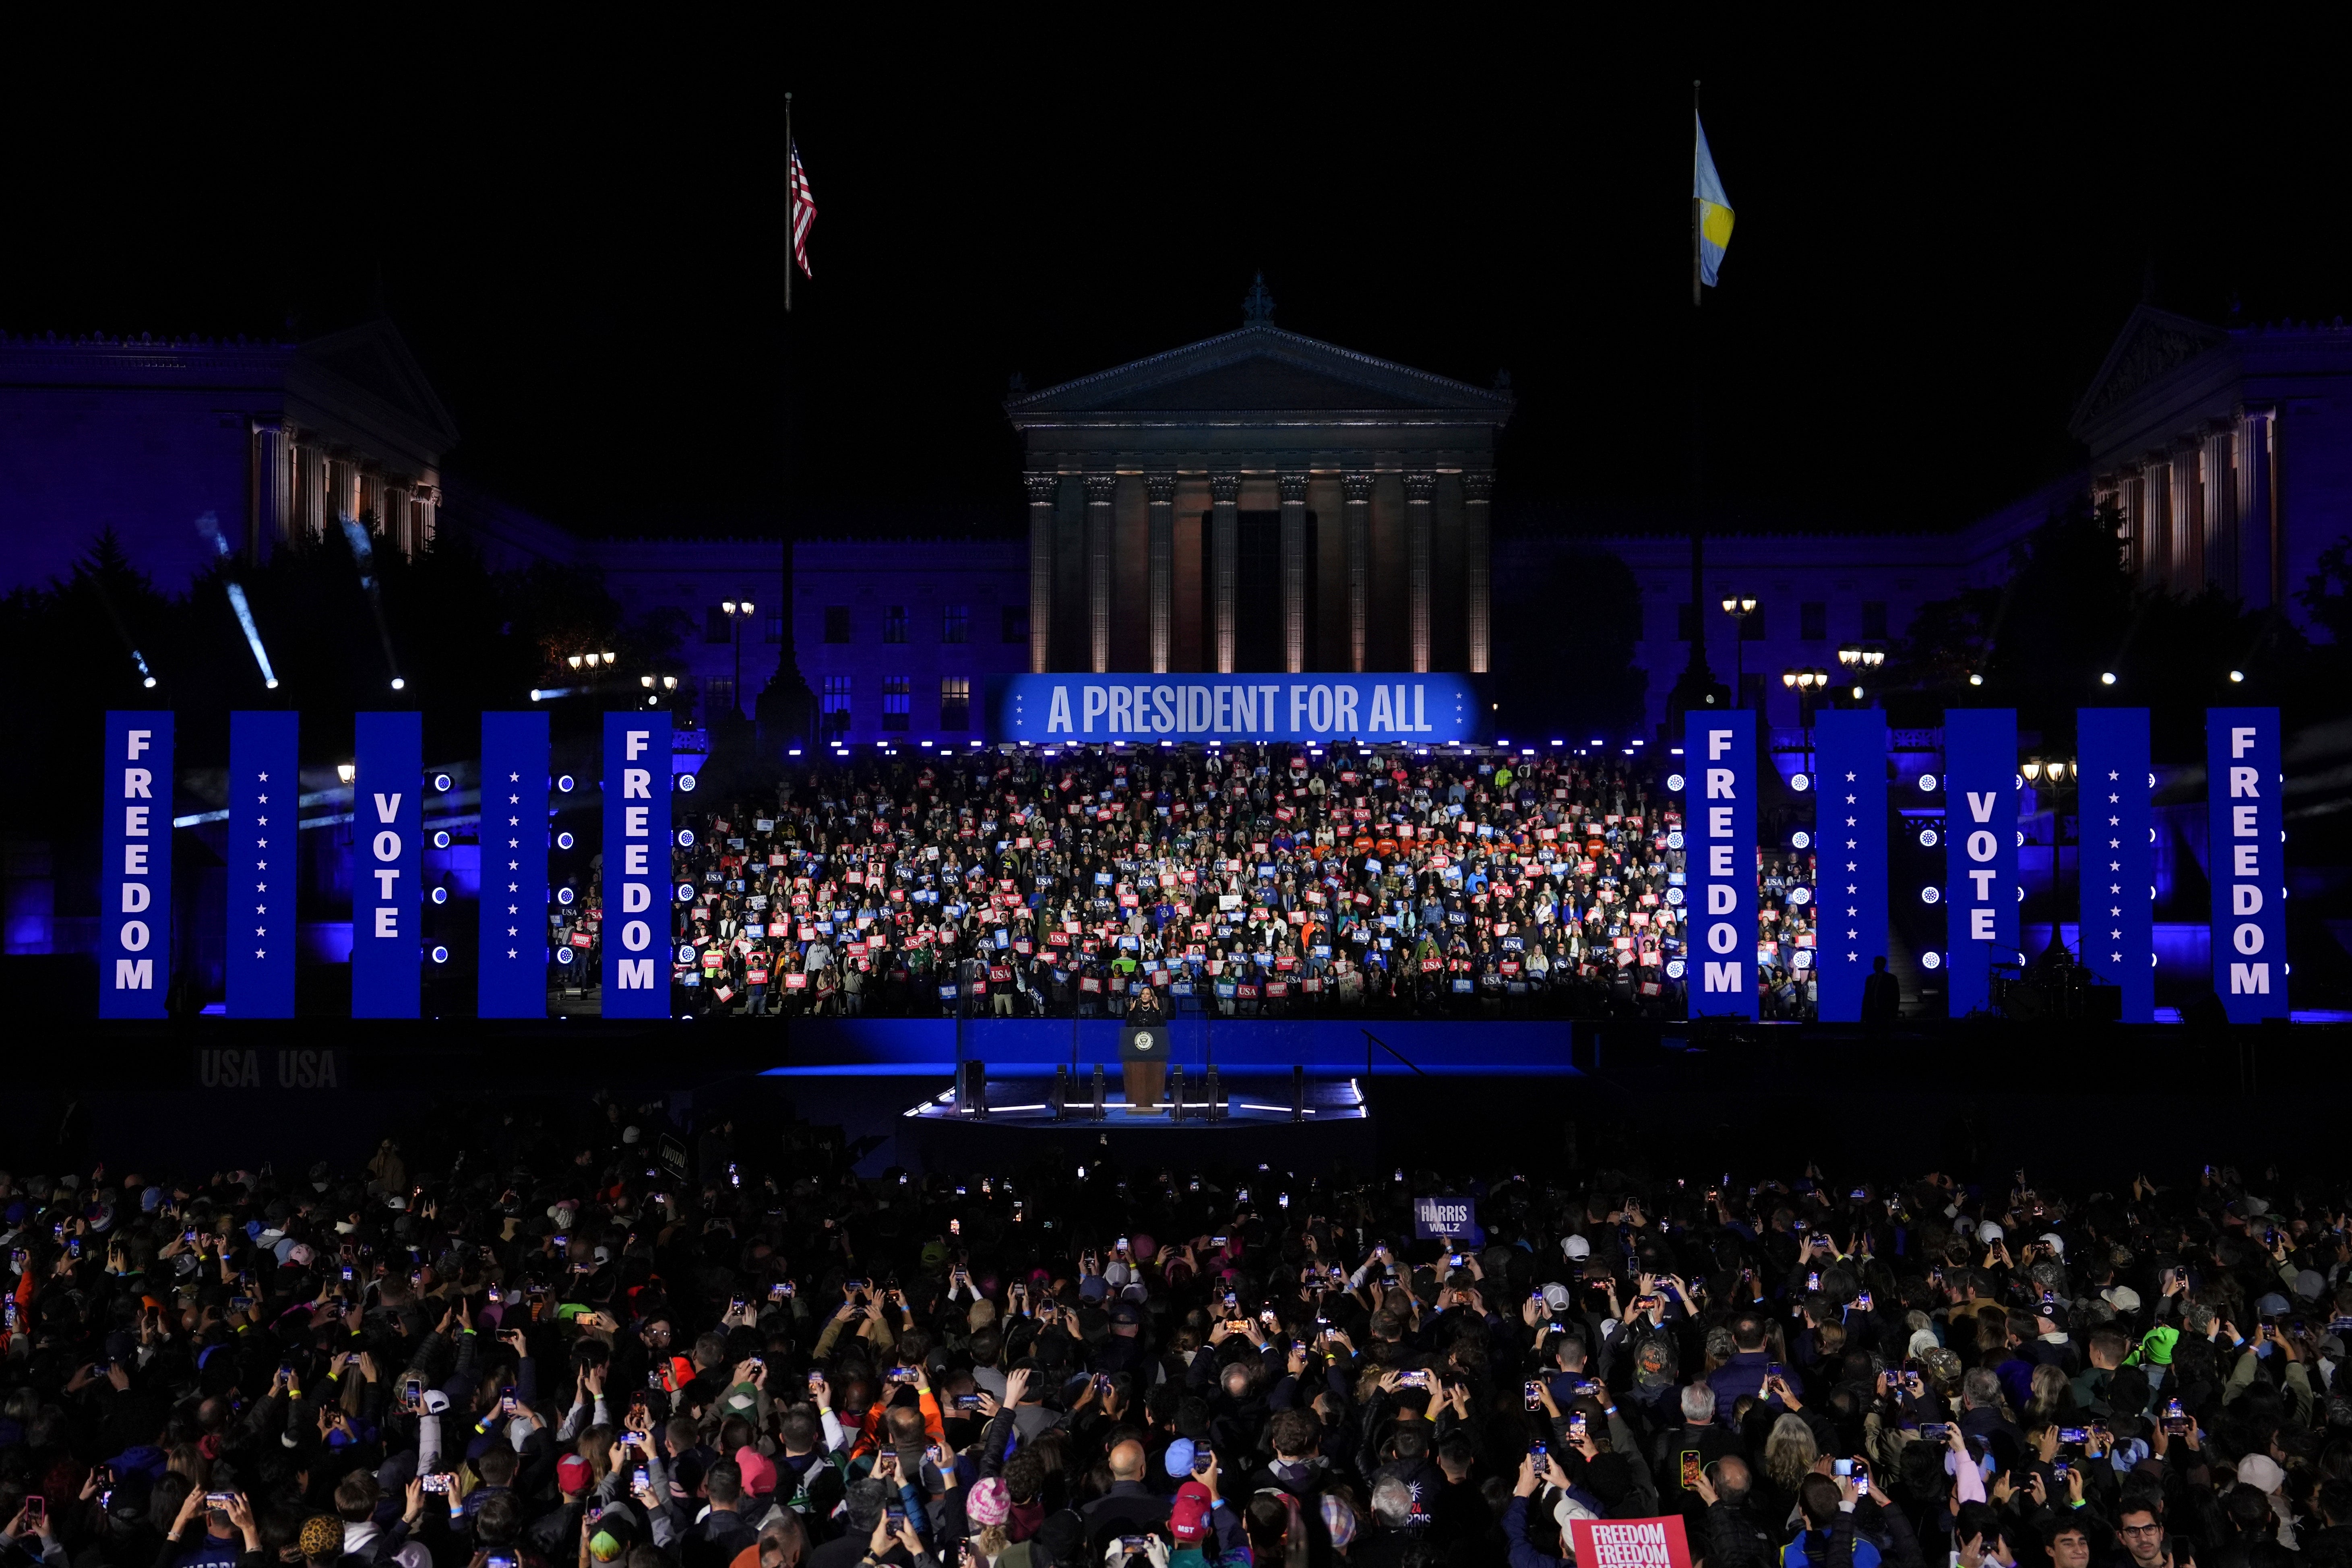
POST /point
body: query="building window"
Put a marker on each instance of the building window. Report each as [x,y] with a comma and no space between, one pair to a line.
[715,627]
[1874,620]
[1816,621]
[954,623]
[832,711]
[775,630]
[836,623]
[955,702]
[894,623]
[718,698]
[1686,621]
[1014,621]
[898,692]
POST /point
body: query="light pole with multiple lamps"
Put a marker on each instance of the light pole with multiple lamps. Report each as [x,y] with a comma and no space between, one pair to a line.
[1857,659]
[737,612]
[1739,608]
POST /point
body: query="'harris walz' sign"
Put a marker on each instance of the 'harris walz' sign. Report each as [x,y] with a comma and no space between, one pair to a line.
[1426,709]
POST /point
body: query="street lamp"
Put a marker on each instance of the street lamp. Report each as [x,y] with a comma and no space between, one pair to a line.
[737,611]
[1738,607]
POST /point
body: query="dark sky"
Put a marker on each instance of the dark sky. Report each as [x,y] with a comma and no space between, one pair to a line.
[1937,235]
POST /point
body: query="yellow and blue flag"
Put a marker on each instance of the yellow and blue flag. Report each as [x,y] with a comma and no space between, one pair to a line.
[1713,209]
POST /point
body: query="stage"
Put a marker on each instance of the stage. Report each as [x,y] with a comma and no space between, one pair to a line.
[1304,1121]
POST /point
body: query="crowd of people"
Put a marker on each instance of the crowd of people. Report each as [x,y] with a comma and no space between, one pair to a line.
[1247,881]
[556,1351]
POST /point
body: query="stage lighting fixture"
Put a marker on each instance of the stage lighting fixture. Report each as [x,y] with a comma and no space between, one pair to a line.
[1799,782]
[1928,783]
[562,955]
[440,838]
[1857,694]
[1801,839]
[441,782]
[346,771]
[1927,839]
[563,783]
[440,895]
[1930,893]
[686,780]
[398,684]
[1674,782]
[149,682]
[2236,677]
[686,837]
[1931,960]
[563,896]
[1976,680]
[2106,677]
[440,955]
[563,841]
[535,694]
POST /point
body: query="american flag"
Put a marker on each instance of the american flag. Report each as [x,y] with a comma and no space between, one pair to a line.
[803,209]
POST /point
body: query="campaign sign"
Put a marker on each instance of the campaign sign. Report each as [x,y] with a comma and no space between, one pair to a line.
[1849,853]
[265,791]
[1428,709]
[1444,1219]
[134,887]
[1630,1542]
[2247,864]
[638,888]
[511,977]
[2118,859]
[1981,885]
[1719,829]
[388,858]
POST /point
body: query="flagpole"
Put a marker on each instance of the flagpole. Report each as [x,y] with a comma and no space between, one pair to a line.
[792,196]
[1695,201]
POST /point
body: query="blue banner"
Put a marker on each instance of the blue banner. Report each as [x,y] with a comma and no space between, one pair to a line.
[1849,856]
[1444,1219]
[512,975]
[265,795]
[2246,861]
[387,859]
[1719,830]
[135,882]
[1428,709]
[2115,860]
[635,933]
[1981,885]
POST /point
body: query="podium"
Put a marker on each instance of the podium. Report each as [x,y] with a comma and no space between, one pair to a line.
[1143,1064]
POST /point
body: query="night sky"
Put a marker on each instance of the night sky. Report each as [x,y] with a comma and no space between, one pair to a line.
[1938,239]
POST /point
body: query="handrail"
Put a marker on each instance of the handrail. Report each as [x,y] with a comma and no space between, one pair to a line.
[1372,1039]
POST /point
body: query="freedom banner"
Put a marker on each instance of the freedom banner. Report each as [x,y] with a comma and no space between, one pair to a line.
[387,856]
[134,879]
[265,794]
[2246,861]
[1429,709]
[2116,856]
[1981,885]
[511,977]
[1630,1542]
[637,865]
[1849,855]
[1719,833]
[1444,1219]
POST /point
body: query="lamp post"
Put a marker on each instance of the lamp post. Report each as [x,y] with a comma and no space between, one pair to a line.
[1857,659]
[737,612]
[1739,608]
[1806,682]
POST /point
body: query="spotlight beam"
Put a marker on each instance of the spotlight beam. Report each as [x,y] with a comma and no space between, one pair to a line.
[364,552]
[209,526]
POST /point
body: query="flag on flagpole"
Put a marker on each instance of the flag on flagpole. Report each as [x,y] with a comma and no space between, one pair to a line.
[1713,211]
[805,210]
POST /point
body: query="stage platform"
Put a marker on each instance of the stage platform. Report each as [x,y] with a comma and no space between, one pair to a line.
[1305,1122]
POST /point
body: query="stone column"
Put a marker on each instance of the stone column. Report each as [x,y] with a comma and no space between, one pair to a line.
[1357,530]
[2155,504]
[310,487]
[371,502]
[1043,486]
[1224,562]
[2220,506]
[1294,570]
[2188,523]
[1160,491]
[1420,563]
[423,510]
[273,499]
[2257,548]
[1478,574]
[1100,488]
[342,489]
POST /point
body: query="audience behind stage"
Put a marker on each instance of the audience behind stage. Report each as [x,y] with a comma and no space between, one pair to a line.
[1252,881]
[554,1354]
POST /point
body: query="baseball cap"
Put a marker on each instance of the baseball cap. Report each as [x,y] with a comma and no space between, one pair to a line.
[1577,1247]
[1989,1233]
[2053,1241]
[1557,1298]
[758,1473]
[571,1474]
[2122,1297]
[1188,1519]
[1179,1457]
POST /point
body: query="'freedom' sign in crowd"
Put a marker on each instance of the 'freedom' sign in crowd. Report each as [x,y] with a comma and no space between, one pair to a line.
[1252,881]
[546,1351]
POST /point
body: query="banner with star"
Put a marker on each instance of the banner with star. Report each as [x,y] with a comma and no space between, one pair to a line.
[2116,855]
[1850,855]
[387,859]
[265,794]
[513,968]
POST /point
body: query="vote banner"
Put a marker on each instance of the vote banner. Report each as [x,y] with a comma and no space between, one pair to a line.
[1981,885]
[1428,709]
[1444,1219]
[2117,860]
[1630,1542]
[134,886]
[387,860]
[637,865]
[1849,855]
[265,794]
[511,975]
[1719,839]
[2246,861]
